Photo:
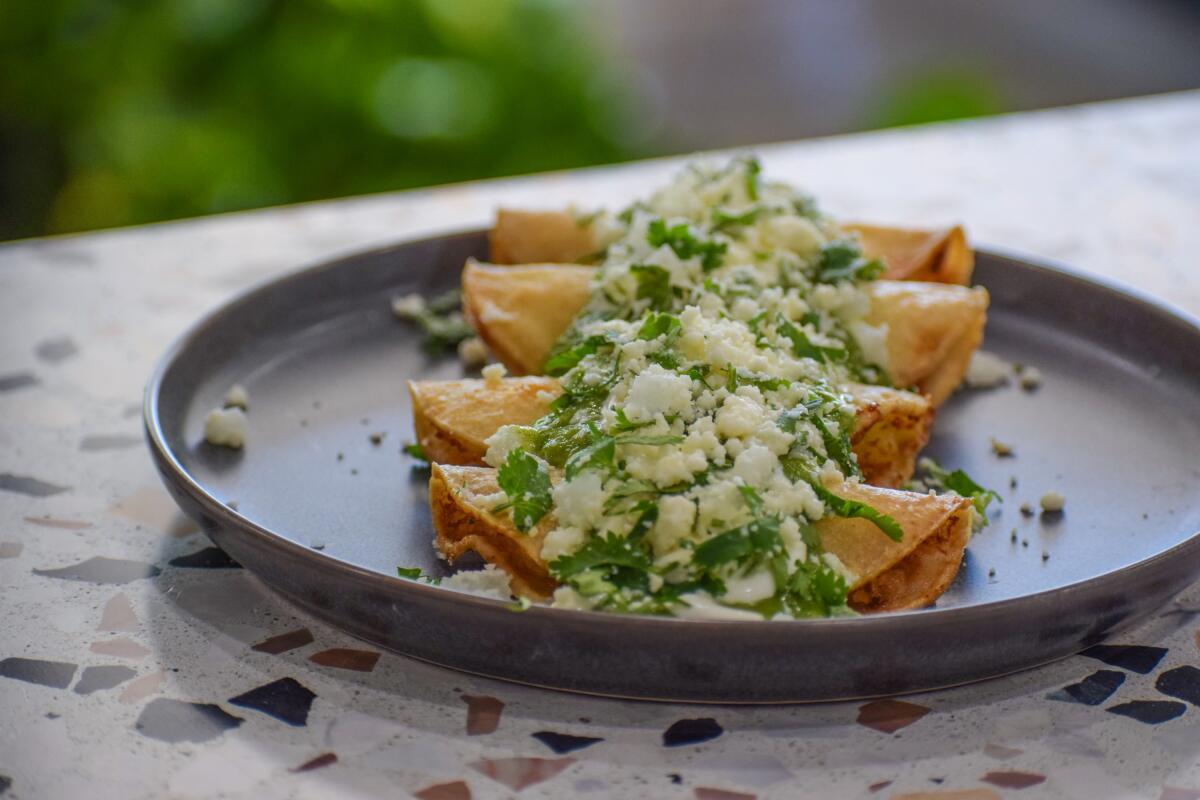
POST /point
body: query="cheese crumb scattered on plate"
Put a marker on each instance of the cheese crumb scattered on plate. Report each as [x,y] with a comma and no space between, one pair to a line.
[1053,501]
[472,352]
[409,306]
[493,374]
[1031,378]
[986,371]
[237,397]
[225,427]
[487,582]
[1001,449]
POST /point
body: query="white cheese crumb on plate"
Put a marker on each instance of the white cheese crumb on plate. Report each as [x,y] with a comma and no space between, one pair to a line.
[237,397]
[986,371]
[1053,501]
[225,427]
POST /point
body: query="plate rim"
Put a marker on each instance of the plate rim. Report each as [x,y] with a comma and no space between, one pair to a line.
[166,459]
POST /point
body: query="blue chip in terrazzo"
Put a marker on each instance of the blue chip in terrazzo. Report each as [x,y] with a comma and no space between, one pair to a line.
[208,558]
[691,731]
[1092,690]
[1181,682]
[286,699]
[1151,712]
[564,742]
[1133,657]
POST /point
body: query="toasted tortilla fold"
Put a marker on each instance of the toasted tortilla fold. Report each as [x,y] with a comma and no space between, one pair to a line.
[933,328]
[454,418]
[911,254]
[463,522]
[890,428]
[891,576]
[911,573]
[539,237]
[521,311]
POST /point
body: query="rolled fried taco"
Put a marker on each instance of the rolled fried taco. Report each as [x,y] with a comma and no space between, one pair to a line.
[454,419]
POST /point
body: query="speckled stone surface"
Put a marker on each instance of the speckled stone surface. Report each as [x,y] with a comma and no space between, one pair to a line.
[131,667]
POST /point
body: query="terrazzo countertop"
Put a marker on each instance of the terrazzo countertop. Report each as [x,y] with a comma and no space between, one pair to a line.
[136,661]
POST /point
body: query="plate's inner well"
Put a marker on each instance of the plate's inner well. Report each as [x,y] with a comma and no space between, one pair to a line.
[325,368]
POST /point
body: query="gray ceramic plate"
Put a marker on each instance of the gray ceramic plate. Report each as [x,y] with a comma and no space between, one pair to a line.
[325,516]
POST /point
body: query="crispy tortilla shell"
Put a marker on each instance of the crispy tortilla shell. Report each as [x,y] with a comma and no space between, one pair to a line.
[933,328]
[539,237]
[911,254]
[521,311]
[892,576]
[941,255]
[463,523]
[912,573]
[453,419]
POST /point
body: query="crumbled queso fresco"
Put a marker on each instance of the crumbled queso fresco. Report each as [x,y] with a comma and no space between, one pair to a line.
[472,352]
[986,370]
[1053,501]
[704,416]
[225,427]
[237,397]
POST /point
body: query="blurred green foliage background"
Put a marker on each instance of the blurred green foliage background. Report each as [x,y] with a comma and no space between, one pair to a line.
[117,112]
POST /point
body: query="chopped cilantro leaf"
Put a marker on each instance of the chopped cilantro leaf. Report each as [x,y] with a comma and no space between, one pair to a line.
[440,319]
[757,538]
[657,325]
[685,244]
[842,260]
[625,424]
[753,171]
[855,508]
[415,574]
[665,358]
[563,360]
[527,485]
[723,221]
[797,470]
[446,302]
[415,450]
[648,515]
[752,499]
[606,551]
[814,590]
[635,438]
[838,447]
[960,483]
[598,455]
[744,377]
[804,347]
[732,545]
[654,284]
